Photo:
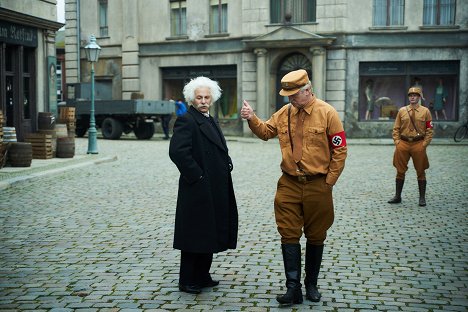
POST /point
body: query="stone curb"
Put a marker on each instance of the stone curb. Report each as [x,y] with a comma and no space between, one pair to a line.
[47,170]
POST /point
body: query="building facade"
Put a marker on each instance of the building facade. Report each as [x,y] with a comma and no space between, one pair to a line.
[27,62]
[362,56]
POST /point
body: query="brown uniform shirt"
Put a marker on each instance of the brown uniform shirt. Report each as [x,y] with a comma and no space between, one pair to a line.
[404,126]
[319,155]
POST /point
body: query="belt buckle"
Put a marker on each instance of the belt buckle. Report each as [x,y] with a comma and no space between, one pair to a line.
[410,139]
[302,178]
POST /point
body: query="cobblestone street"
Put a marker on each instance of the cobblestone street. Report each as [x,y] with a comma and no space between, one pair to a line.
[99,238]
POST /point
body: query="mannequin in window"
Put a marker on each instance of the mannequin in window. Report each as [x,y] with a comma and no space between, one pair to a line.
[369,92]
[440,99]
[417,84]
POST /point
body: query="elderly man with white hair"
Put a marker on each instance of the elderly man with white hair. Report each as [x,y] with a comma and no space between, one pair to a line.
[206,219]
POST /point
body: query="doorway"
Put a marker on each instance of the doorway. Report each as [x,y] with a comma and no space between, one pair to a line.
[18,93]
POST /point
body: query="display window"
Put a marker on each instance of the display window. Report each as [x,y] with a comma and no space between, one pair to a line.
[383,88]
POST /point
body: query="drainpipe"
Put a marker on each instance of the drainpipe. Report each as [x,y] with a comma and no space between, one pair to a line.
[78,35]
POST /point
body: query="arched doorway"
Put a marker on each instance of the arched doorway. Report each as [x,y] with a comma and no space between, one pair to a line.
[289,63]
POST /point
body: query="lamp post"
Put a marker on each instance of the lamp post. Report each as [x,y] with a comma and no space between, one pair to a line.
[92,54]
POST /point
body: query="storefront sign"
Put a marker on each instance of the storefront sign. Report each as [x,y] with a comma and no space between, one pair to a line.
[18,34]
[52,83]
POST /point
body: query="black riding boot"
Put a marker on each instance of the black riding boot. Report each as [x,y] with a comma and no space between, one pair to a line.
[312,269]
[292,268]
[422,192]
[399,187]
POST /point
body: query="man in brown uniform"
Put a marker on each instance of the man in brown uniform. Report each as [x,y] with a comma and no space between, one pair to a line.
[412,133]
[313,148]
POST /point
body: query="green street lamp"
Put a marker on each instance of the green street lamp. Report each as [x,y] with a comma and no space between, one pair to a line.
[92,54]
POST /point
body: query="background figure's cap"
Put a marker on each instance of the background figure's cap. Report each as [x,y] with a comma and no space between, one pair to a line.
[293,81]
[415,90]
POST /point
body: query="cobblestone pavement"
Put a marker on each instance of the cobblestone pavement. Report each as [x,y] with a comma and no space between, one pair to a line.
[99,237]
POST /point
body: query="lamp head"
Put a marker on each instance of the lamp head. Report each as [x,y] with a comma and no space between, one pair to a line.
[92,50]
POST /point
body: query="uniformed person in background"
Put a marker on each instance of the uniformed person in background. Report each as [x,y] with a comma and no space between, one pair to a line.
[313,148]
[412,133]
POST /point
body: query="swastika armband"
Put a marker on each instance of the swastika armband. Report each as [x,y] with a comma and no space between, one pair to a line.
[337,140]
[429,124]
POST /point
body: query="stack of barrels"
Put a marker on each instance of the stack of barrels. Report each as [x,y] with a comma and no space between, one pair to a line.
[65,131]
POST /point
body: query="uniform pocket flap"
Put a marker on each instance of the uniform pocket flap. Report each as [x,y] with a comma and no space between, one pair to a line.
[315,130]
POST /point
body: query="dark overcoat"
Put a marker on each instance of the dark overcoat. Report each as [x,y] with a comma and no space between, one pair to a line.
[206,214]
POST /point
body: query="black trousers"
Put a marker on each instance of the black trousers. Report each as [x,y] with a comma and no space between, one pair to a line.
[195,268]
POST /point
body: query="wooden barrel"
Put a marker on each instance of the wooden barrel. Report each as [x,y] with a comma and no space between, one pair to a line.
[9,134]
[65,147]
[45,121]
[20,154]
[61,130]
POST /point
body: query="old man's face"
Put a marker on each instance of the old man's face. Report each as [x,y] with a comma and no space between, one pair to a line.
[202,101]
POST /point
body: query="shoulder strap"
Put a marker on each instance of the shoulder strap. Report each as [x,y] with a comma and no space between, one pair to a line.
[289,127]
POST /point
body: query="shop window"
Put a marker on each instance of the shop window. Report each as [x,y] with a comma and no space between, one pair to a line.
[388,12]
[439,12]
[227,104]
[383,87]
[178,18]
[301,11]
[218,16]
[103,21]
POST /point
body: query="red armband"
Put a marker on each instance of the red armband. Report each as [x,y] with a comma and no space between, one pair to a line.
[429,124]
[337,140]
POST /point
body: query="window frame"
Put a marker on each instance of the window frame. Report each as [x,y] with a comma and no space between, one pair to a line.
[103,21]
[389,16]
[452,6]
[178,21]
[280,6]
[219,27]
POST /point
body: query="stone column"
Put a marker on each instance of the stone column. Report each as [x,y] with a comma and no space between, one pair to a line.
[130,51]
[318,71]
[262,79]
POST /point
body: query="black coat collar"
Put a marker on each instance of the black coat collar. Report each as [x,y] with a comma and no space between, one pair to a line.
[207,129]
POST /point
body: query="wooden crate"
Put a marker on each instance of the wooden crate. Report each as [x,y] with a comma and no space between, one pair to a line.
[42,145]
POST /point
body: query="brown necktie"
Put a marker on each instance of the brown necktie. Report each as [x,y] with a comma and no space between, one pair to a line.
[298,136]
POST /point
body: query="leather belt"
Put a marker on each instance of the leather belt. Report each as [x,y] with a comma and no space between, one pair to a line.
[305,178]
[411,139]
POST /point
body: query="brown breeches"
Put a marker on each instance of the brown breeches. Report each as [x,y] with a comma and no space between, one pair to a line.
[303,205]
[414,150]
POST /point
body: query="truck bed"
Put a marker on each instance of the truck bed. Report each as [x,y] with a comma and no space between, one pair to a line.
[123,107]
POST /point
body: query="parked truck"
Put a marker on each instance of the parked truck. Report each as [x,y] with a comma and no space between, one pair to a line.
[115,117]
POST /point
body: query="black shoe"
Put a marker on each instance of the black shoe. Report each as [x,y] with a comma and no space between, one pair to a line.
[313,294]
[191,289]
[395,200]
[292,296]
[210,283]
